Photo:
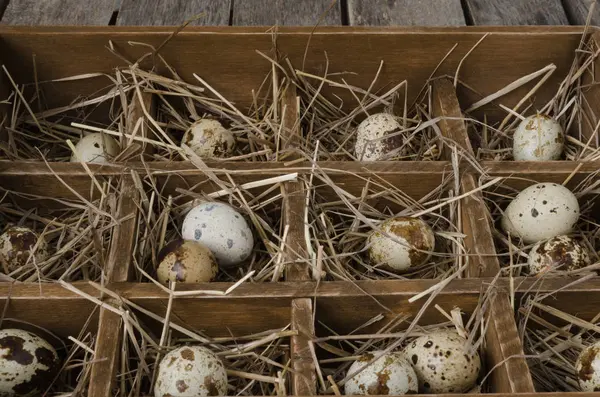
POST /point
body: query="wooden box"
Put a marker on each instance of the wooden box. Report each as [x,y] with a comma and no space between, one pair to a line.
[228,57]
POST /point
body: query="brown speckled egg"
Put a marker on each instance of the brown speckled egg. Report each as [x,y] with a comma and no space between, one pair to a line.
[209,139]
[390,375]
[538,138]
[28,363]
[186,261]
[400,244]
[559,253]
[16,244]
[588,368]
[443,362]
[190,371]
[371,144]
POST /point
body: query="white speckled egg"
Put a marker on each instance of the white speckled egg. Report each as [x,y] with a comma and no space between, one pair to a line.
[538,138]
[369,143]
[400,244]
[540,212]
[559,253]
[96,148]
[222,229]
[389,375]
[443,362]
[190,371]
[209,139]
[28,363]
[16,244]
[588,368]
[186,261]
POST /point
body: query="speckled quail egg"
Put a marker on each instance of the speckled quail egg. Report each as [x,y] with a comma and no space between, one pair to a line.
[390,375]
[209,139]
[95,148]
[400,243]
[558,253]
[190,371]
[28,363]
[444,362]
[538,138]
[540,212]
[588,368]
[16,244]
[222,229]
[369,143]
[186,261]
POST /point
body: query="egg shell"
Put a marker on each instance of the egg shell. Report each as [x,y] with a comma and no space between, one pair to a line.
[96,148]
[443,362]
[190,371]
[209,139]
[28,364]
[390,375]
[16,244]
[540,212]
[538,138]
[558,253]
[186,261]
[588,368]
[369,143]
[222,229]
[399,244]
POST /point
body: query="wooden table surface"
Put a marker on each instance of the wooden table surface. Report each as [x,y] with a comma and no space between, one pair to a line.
[297,12]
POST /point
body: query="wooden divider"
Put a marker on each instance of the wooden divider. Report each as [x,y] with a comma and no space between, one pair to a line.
[503,343]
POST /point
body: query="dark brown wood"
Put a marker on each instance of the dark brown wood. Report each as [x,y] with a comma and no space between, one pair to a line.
[286,12]
[508,12]
[174,12]
[58,12]
[405,12]
[504,346]
[476,225]
[103,375]
[125,234]
[578,10]
[445,105]
[304,380]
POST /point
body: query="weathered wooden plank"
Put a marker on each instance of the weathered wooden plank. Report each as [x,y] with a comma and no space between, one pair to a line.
[304,379]
[405,12]
[510,12]
[58,12]
[286,12]
[102,378]
[578,10]
[174,12]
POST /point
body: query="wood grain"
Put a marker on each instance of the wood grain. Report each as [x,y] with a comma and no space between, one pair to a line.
[304,380]
[58,12]
[174,12]
[509,12]
[286,12]
[578,10]
[103,375]
[405,12]
[135,111]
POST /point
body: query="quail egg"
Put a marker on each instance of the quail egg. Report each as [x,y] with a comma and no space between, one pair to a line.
[371,144]
[186,261]
[401,243]
[540,212]
[28,363]
[16,244]
[222,229]
[588,368]
[190,371]
[95,148]
[209,139]
[558,253]
[390,375]
[444,362]
[538,138]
